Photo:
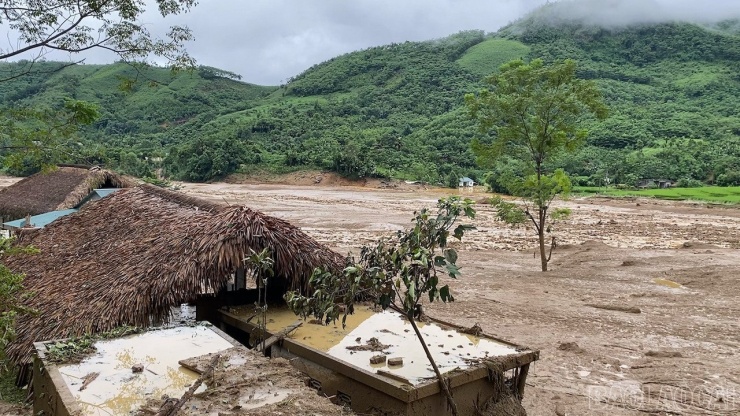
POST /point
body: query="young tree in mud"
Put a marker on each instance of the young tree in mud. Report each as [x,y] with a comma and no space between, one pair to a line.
[36,137]
[395,274]
[532,111]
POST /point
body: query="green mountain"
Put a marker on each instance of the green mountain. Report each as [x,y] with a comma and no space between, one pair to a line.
[397,110]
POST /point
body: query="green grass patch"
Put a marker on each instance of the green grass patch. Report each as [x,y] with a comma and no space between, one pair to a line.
[9,393]
[708,193]
[485,57]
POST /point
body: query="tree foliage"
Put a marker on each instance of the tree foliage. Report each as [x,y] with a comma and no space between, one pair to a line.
[533,112]
[79,26]
[12,295]
[37,138]
[395,273]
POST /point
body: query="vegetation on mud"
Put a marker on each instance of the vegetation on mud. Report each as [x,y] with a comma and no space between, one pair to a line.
[75,349]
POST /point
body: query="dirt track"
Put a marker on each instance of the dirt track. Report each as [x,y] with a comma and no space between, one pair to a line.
[679,355]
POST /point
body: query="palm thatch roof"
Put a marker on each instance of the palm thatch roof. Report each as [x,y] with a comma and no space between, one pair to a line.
[62,188]
[128,258]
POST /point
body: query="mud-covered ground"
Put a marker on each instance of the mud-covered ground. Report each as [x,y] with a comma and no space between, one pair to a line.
[675,263]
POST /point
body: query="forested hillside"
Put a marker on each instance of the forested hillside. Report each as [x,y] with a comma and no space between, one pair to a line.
[397,110]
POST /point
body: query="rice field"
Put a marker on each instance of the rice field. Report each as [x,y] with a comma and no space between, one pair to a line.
[730,195]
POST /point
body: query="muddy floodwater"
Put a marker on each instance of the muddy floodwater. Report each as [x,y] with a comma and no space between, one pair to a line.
[676,263]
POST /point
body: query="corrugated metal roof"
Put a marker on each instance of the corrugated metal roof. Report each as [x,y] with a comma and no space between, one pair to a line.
[40,220]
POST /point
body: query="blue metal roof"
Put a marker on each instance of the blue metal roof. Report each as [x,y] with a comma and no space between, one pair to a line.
[466,179]
[106,191]
[40,220]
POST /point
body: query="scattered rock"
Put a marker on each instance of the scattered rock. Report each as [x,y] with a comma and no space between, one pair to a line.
[395,362]
[571,347]
[377,359]
[137,368]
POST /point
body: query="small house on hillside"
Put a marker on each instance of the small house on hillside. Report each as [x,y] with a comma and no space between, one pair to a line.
[466,182]
[56,193]
[131,256]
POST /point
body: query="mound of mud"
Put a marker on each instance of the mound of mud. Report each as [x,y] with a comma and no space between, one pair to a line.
[246,383]
[594,245]
[697,245]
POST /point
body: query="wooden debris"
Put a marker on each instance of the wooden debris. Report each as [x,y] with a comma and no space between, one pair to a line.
[262,346]
[88,379]
[627,309]
[169,409]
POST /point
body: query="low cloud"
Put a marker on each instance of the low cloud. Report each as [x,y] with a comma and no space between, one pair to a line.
[269,41]
[616,13]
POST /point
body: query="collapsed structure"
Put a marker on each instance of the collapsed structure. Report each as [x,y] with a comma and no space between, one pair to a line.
[131,256]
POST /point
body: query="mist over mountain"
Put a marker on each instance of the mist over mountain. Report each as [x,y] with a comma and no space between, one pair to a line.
[621,13]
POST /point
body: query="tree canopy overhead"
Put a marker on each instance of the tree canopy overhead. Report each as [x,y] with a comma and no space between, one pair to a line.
[77,26]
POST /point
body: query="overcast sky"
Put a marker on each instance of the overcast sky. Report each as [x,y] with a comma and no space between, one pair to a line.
[268,41]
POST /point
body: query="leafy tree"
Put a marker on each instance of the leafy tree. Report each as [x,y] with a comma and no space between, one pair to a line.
[37,138]
[395,273]
[78,26]
[534,112]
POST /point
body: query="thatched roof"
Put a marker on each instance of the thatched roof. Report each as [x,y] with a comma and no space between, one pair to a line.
[128,258]
[62,188]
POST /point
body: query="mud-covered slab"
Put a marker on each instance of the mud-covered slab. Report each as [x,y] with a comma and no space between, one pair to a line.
[125,372]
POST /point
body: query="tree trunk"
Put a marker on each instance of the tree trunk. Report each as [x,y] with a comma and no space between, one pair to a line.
[442,383]
[541,235]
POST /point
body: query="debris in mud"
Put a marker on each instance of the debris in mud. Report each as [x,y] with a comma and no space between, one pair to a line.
[571,347]
[663,354]
[371,345]
[88,379]
[473,330]
[626,309]
[377,359]
[246,383]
